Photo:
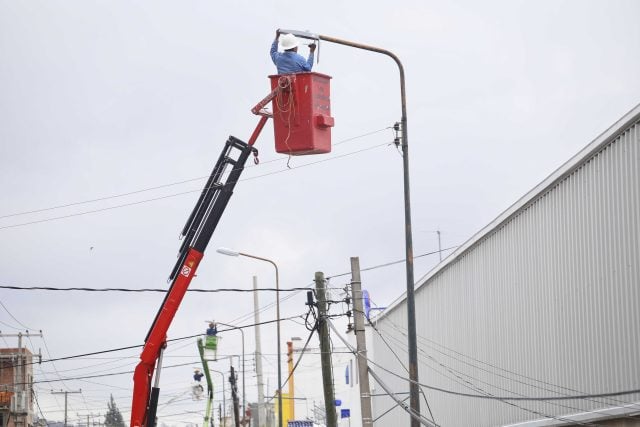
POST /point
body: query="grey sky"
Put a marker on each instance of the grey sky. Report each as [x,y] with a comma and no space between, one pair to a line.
[105,98]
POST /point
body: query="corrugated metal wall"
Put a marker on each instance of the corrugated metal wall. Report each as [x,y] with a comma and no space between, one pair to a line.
[543,303]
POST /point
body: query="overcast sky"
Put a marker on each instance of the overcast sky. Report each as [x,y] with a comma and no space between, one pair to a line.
[135,99]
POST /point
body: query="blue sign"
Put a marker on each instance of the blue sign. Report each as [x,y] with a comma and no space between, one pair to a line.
[337,402]
[345,413]
[367,303]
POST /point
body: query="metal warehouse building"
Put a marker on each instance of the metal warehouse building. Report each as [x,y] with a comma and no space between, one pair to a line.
[543,302]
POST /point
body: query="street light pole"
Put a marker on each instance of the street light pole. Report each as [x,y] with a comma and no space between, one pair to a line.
[231,252]
[224,402]
[411,306]
[244,397]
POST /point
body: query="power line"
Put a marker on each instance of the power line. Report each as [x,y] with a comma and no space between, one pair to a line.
[467,381]
[111,374]
[50,288]
[13,317]
[139,202]
[486,395]
[392,262]
[297,289]
[426,341]
[518,398]
[169,340]
[157,187]
[399,360]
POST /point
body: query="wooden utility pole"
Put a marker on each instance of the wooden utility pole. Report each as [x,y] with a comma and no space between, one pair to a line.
[234,396]
[65,392]
[325,352]
[361,343]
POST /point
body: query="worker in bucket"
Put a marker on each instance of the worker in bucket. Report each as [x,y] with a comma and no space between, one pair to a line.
[196,388]
[290,61]
[211,342]
[197,375]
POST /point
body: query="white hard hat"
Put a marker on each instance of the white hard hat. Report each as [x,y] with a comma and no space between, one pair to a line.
[288,41]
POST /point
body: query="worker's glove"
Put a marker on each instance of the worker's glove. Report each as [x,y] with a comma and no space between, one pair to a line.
[312,47]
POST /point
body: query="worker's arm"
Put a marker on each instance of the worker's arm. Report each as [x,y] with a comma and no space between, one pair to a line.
[274,49]
[309,64]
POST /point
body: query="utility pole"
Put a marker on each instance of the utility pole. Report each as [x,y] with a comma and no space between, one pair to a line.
[439,245]
[361,344]
[91,416]
[256,318]
[65,392]
[325,352]
[234,396]
[292,402]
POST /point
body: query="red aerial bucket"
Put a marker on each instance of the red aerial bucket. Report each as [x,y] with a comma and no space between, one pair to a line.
[302,119]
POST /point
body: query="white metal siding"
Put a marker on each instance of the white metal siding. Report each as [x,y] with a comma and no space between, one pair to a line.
[549,293]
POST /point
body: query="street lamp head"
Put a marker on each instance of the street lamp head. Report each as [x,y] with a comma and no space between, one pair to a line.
[227,251]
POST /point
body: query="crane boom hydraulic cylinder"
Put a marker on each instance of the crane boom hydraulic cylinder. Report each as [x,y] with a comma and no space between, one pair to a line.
[196,234]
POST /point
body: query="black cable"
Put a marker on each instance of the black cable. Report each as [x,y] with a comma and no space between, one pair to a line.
[467,382]
[399,360]
[403,332]
[50,288]
[186,192]
[533,399]
[13,317]
[85,377]
[169,340]
[392,262]
[485,395]
[86,289]
[100,199]
[390,409]
[35,397]
[299,358]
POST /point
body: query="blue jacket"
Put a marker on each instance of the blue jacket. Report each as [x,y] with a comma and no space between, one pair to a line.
[290,62]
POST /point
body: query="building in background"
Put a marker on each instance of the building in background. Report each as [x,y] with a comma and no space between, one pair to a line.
[16,387]
[543,302]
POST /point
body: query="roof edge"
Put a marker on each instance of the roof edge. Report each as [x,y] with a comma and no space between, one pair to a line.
[558,175]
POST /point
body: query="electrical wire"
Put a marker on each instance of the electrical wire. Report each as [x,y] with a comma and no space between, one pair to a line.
[485,394]
[157,187]
[302,352]
[398,359]
[35,397]
[515,398]
[412,413]
[375,267]
[469,384]
[169,340]
[154,199]
[403,332]
[13,317]
[84,289]
[46,347]
[467,381]
[295,290]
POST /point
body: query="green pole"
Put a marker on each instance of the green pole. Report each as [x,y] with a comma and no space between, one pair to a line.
[207,375]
